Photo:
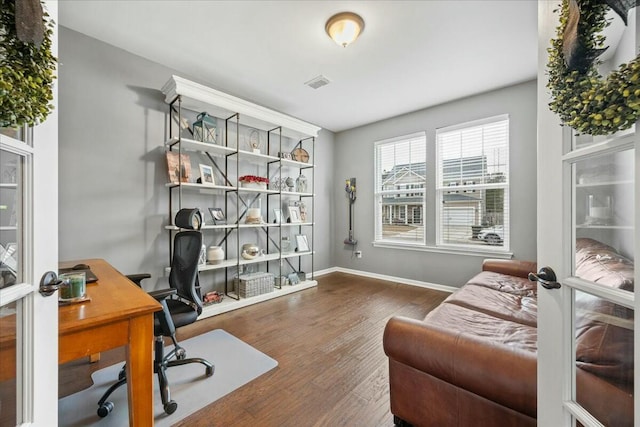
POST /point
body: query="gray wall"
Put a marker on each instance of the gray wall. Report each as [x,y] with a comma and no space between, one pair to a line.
[354,157]
[113,203]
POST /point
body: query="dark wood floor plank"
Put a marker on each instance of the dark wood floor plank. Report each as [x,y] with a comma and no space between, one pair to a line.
[331,371]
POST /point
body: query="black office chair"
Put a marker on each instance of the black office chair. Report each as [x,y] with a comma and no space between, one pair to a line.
[181,305]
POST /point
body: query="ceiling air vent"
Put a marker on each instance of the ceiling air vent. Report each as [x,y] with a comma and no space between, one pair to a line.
[318,82]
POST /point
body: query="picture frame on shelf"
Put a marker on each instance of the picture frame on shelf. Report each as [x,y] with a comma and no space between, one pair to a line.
[277,214]
[206,174]
[294,214]
[302,244]
[178,167]
[218,216]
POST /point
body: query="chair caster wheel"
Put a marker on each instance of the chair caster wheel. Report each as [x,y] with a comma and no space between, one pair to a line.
[170,407]
[209,371]
[105,409]
[181,353]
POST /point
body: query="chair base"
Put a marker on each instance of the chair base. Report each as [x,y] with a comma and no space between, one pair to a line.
[160,365]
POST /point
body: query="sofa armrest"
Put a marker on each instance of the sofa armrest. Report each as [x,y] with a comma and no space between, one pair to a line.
[497,372]
[511,267]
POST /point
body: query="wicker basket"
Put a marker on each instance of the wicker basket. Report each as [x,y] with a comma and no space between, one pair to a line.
[253,284]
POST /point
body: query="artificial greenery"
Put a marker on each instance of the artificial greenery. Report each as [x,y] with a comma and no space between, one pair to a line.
[26,73]
[585,100]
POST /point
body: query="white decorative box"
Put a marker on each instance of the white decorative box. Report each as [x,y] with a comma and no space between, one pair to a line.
[253,284]
[256,185]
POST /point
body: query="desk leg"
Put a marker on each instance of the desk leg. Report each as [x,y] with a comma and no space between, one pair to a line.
[140,371]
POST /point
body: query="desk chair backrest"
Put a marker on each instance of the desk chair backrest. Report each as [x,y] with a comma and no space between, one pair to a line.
[184,266]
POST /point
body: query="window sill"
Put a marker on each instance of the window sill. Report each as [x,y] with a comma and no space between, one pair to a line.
[485,253]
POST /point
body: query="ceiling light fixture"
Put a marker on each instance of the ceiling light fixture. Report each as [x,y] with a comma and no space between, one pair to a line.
[344,28]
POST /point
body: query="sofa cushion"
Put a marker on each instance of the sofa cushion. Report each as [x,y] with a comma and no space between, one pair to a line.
[604,330]
[604,339]
[602,264]
[508,302]
[462,320]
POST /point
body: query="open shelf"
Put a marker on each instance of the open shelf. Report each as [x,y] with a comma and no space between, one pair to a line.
[235,120]
[208,147]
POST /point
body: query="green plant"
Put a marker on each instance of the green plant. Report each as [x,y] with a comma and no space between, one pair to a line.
[585,100]
[26,73]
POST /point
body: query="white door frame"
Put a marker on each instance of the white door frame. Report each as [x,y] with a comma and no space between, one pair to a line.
[37,376]
[555,331]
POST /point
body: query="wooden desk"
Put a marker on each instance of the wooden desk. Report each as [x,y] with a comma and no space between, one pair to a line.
[119,314]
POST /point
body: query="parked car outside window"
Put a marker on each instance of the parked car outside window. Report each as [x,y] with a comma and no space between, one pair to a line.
[492,235]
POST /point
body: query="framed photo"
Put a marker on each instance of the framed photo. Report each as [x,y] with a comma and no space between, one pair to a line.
[206,174]
[178,166]
[294,214]
[277,213]
[218,216]
[302,243]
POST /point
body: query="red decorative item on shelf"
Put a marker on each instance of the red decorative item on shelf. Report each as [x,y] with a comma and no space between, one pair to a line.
[253,178]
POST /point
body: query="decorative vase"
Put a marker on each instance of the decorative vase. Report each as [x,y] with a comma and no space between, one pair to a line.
[215,255]
[301,184]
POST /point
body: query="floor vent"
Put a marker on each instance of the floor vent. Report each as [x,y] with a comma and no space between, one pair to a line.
[318,82]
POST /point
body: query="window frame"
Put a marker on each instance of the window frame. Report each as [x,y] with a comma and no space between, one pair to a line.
[440,189]
[407,190]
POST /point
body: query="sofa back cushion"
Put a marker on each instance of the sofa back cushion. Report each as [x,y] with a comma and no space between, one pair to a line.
[604,330]
[602,264]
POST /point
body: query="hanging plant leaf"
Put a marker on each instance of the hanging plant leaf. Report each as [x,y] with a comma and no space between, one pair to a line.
[26,71]
[581,97]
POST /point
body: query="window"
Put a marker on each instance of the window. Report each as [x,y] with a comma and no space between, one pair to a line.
[400,168]
[473,158]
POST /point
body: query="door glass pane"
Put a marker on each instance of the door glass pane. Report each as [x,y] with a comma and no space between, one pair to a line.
[604,219]
[8,363]
[10,211]
[604,359]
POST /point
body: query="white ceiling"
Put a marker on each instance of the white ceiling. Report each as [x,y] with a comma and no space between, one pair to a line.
[411,55]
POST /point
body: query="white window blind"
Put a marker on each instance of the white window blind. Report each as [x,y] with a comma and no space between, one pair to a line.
[472,185]
[400,179]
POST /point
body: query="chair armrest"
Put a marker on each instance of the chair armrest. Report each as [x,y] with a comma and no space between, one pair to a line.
[497,372]
[163,294]
[138,278]
[511,267]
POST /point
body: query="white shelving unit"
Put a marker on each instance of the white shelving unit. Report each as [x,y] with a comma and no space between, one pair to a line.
[603,190]
[230,160]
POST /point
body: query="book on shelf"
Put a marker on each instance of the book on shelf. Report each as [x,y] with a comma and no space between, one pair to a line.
[178,165]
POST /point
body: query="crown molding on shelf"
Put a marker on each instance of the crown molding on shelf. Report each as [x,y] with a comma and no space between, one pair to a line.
[197,97]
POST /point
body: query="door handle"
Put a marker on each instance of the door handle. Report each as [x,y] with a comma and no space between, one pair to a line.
[49,283]
[547,278]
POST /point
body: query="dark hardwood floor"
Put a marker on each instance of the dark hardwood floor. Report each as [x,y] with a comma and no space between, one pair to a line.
[331,371]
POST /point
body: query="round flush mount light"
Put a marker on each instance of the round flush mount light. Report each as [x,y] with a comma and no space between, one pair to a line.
[344,27]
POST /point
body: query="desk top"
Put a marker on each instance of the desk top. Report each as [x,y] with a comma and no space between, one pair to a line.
[113,298]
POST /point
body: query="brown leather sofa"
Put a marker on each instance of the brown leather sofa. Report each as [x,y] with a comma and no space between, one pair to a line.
[472,360]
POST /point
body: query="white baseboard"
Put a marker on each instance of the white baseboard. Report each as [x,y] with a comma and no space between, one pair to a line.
[402,280]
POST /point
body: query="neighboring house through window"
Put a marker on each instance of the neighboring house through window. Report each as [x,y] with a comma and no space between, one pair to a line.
[474,158]
[471,188]
[400,165]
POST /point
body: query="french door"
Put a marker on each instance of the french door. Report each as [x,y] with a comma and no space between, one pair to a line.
[28,249]
[587,207]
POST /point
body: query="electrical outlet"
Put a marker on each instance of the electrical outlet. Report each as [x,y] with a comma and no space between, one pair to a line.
[358,254]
